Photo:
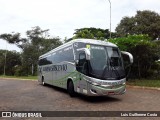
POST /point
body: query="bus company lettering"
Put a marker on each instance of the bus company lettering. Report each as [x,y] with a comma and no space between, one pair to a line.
[55,68]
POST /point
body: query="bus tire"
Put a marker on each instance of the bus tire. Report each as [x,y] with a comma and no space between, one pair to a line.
[43,83]
[70,89]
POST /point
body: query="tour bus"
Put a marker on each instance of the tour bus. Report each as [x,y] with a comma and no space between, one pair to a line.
[85,66]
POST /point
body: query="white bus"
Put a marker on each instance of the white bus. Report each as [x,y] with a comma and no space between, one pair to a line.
[85,66]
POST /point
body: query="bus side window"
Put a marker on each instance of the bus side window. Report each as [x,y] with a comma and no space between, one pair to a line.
[82,65]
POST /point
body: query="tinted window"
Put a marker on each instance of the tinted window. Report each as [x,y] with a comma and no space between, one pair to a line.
[45,61]
[65,54]
[76,46]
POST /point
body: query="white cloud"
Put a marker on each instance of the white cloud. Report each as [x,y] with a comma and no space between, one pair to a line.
[11,47]
[62,17]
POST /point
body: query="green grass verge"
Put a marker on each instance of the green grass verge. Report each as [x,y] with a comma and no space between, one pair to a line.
[20,77]
[146,83]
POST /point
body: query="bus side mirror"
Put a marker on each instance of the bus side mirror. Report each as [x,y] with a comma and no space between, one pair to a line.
[82,63]
[127,58]
[77,62]
[87,53]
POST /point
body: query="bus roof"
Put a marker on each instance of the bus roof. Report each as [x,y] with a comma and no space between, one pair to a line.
[89,41]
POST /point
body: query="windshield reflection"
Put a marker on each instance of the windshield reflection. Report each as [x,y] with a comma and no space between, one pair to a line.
[106,63]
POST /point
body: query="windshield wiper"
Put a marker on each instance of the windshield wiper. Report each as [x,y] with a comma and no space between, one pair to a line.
[113,69]
[104,71]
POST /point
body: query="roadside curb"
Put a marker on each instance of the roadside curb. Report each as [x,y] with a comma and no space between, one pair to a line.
[142,87]
[17,79]
[128,86]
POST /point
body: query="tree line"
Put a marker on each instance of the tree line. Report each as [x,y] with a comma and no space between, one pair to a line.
[138,35]
[38,42]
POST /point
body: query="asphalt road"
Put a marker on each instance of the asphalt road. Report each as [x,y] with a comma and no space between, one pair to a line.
[21,95]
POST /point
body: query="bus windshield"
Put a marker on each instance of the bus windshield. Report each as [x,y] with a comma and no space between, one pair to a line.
[106,63]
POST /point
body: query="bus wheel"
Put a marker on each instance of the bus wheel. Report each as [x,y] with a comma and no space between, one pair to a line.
[43,83]
[70,89]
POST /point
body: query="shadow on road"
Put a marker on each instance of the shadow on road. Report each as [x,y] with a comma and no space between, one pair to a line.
[90,99]
[98,99]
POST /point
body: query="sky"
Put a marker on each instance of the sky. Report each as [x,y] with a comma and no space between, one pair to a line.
[62,17]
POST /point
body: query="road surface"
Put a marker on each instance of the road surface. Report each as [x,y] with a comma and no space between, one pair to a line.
[23,95]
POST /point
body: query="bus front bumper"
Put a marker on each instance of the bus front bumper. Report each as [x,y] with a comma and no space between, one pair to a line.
[94,90]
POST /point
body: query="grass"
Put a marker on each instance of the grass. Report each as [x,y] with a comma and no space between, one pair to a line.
[20,77]
[146,83]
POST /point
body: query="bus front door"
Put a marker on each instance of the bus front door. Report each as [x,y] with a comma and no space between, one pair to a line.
[82,68]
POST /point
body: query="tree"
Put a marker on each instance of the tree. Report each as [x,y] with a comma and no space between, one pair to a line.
[144,51]
[38,42]
[13,59]
[126,27]
[84,34]
[14,38]
[144,22]
[91,33]
[41,39]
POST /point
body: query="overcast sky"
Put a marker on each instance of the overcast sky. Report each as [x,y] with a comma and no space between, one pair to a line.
[62,17]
